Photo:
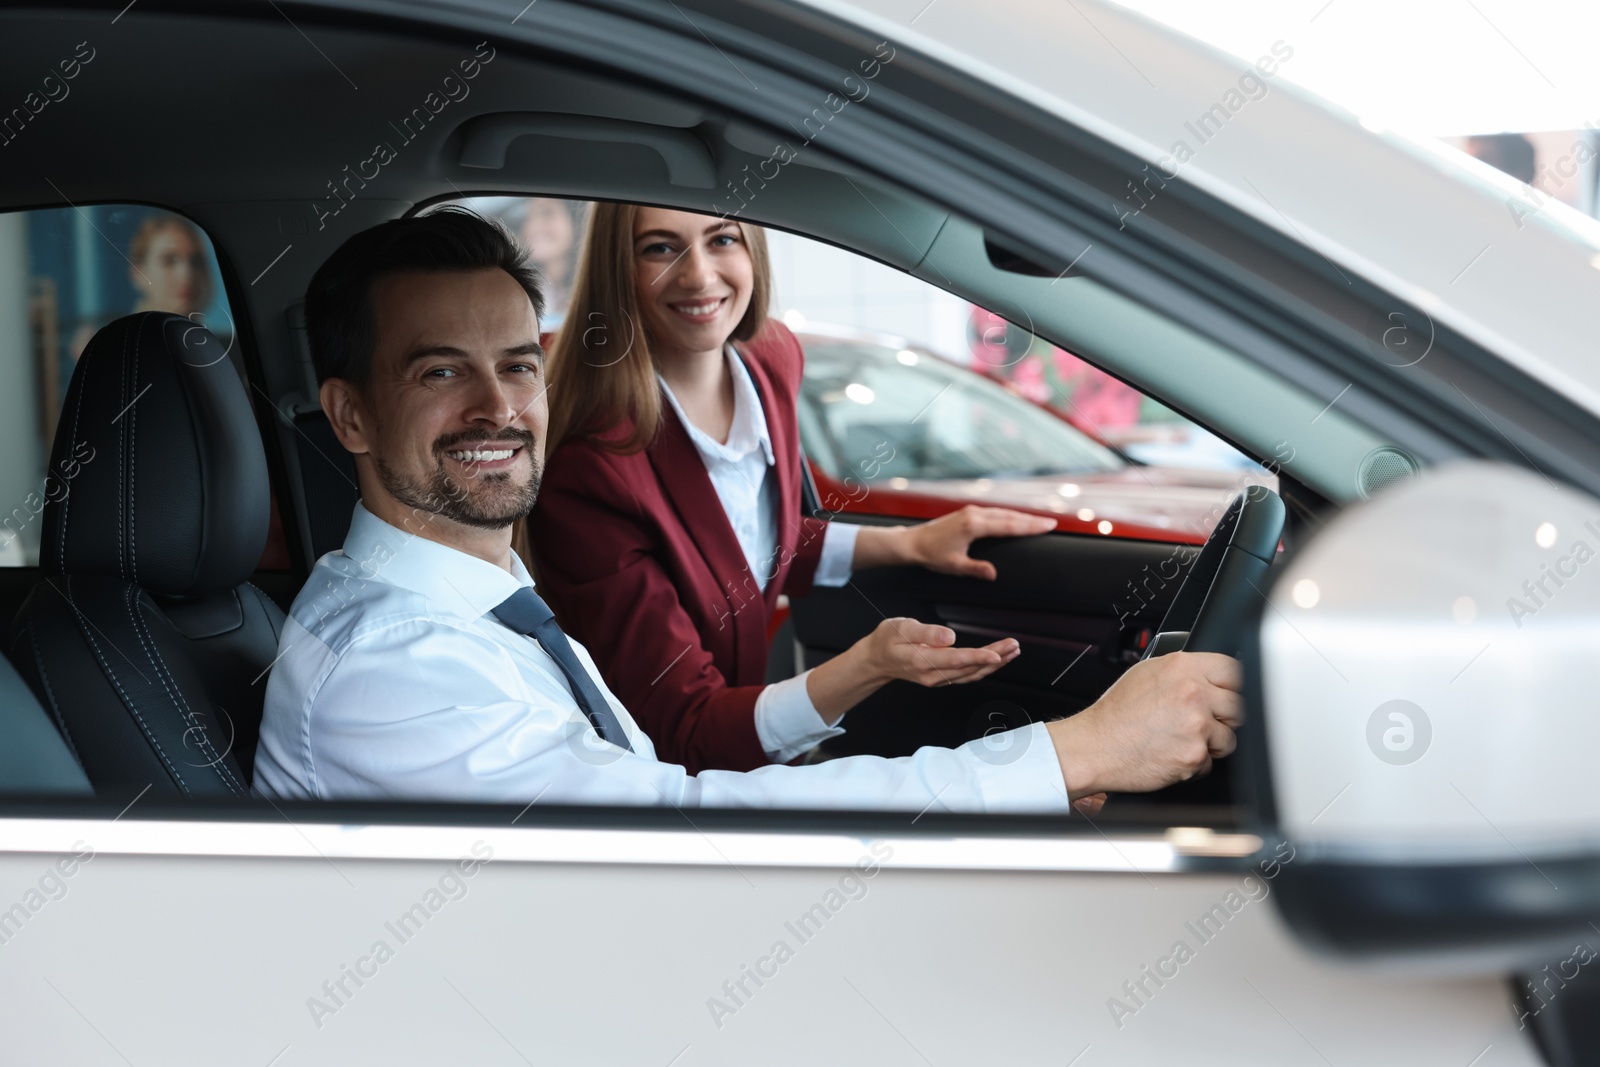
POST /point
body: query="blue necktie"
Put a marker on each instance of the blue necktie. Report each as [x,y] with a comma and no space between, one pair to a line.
[526,612]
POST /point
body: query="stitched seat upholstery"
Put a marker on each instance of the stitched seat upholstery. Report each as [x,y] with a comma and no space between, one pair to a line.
[144,639]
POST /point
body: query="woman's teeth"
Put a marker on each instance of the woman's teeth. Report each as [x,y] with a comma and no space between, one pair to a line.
[482,455]
[699,309]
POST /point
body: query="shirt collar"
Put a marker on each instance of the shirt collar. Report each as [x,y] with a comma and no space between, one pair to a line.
[749,429]
[451,580]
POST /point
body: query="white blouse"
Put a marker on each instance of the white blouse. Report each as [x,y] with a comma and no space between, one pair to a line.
[787,723]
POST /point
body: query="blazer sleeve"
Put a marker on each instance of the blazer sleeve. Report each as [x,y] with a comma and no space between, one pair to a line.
[595,563]
[807,554]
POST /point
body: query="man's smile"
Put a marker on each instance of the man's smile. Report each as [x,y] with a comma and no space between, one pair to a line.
[486,457]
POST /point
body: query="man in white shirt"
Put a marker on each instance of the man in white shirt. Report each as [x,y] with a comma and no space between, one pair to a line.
[418,662]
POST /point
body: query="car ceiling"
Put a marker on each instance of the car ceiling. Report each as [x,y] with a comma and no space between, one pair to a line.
[174,110]
[243,124]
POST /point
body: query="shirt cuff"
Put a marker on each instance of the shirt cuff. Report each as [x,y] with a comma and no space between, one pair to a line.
[787,723]
[838,553]
[1018,771]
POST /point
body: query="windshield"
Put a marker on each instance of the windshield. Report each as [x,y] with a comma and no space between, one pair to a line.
[860,400]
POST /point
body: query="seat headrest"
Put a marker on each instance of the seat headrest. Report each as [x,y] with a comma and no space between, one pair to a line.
[157,475]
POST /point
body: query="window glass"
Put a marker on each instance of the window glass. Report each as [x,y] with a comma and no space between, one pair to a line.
[821,289]
[65,273]
[940,421]
[551,229]
[916,402]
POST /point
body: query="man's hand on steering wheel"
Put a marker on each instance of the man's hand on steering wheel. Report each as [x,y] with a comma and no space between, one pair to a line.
[1164,721]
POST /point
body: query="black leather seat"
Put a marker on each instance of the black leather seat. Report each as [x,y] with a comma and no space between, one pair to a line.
[144,639]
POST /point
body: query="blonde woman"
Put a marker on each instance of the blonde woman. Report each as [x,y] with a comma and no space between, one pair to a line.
[668,519]
[169,267]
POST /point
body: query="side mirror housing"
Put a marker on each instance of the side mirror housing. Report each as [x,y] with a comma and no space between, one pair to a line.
[1424,686]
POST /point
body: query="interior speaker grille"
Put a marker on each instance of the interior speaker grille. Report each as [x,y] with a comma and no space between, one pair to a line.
[1384,467]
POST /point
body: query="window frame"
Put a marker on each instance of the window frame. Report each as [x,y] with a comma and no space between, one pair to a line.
[1008,197]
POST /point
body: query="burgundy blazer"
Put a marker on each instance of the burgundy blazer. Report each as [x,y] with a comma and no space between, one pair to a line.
[637,557]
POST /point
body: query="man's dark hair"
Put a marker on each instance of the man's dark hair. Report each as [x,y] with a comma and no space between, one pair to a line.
[339,319]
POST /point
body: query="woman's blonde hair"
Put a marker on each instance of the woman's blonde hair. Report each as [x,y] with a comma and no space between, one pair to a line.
[600,367]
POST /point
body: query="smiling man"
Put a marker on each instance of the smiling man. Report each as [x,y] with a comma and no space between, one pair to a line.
[418,662]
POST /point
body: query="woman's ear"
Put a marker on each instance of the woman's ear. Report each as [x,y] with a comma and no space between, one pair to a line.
[347,414]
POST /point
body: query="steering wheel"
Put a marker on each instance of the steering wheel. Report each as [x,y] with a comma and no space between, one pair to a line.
[1209,612]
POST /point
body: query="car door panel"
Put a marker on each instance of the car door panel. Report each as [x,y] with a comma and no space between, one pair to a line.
[716,951]
[1079,606]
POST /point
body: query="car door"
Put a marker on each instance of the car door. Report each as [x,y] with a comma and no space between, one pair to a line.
[1083,608]
[915,403]
[133,930]
[649,940]
[896,433]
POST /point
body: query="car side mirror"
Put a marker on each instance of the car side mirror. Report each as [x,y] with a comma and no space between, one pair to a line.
[1423,687]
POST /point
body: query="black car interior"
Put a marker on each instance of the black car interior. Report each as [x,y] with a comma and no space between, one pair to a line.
[153,550]
[148,647]
[1082,608]
[144,638]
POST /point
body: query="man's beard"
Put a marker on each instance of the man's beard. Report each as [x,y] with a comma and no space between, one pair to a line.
[439,494]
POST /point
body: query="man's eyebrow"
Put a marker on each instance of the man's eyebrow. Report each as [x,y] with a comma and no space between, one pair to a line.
[527,348]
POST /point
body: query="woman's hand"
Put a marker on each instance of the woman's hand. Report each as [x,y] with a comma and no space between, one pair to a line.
[903,649]
[924,653]
[943,544]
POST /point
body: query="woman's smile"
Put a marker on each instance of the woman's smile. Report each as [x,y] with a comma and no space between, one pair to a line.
[700,311]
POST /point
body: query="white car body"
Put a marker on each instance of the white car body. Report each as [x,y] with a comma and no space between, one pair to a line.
[233,939]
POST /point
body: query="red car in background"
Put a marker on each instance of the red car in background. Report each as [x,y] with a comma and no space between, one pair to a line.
[894,429]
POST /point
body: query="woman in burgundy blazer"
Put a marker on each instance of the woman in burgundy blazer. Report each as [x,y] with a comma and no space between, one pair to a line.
[632,544]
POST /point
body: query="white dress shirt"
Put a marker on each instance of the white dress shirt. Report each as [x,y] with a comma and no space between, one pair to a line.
[787,723]
[394,681]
